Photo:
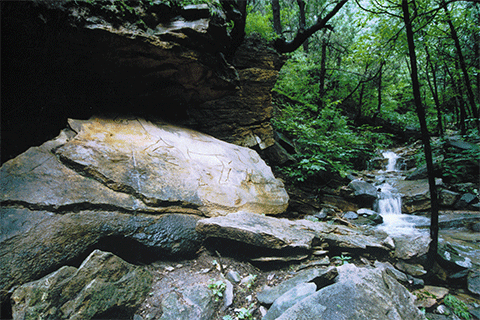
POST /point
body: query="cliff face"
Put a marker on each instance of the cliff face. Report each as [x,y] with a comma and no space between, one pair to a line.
[74,59]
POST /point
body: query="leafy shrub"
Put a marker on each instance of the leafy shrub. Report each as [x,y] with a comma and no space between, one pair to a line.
[458,307]
[260,22]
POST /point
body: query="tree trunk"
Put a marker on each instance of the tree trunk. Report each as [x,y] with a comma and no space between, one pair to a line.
[434,90]
[323,72]
[302,24]
[463,67]
[432,253]
[277,23]
[461,113]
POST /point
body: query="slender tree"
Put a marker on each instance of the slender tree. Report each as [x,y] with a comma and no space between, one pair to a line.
[432,253]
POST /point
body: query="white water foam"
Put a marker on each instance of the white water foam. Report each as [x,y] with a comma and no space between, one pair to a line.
[389,205]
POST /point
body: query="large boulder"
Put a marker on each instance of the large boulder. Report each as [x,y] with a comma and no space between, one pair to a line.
[64,239]
[415,195]
[72,59]
[103,286]
[141,166]
[357,294]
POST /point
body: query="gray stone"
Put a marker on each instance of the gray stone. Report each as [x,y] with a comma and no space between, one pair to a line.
[465,200]
[415,195]
[62,238]
[473,281]
[391,271]
[415,270]
[350,215]
[363,190]
[233,276]
[376,218]
[193,302]
[274,233]
[167,166]
[103,283]
[476,227]
[357,294]
[411,246]
[321,276]
[288,299]
[448,198]
[366,212]
[16,221]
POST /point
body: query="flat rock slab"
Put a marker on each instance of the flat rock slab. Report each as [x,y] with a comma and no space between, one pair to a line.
[274,233]
[140,166]
[103,283]
[164,165]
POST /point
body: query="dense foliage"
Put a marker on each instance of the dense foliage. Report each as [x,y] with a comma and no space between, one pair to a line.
[354,76]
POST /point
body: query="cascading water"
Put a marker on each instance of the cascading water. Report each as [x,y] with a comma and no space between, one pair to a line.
[389,202]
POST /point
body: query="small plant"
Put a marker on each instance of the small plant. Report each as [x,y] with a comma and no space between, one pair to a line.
[244,313]
[342,258]
[227,317]
[217,287]
[458,307]
[250,280]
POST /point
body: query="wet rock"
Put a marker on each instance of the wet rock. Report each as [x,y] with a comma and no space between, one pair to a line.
[233,276]
[62,239]
[321,277]
[366,212]
[391,271]
[358,293]
[289,298]
[415,270]
[127,62]
[376,218]
[411,246]
[465,200]
[364,192]
[476,227]
[428,296]
[350,215]
[448,198]
[415,195]
[104,284]
[473,281]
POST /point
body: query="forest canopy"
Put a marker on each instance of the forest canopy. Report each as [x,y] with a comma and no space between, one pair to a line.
[347,89]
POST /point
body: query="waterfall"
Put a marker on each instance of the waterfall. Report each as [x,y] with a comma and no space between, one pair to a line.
[392,160]
[389,202]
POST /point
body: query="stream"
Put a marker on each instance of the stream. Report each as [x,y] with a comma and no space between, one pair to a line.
[389,202]
[462,245]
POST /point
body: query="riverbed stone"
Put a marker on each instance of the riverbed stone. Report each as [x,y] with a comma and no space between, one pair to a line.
[273,233]
[364,192]
[415,270]
[409,246]
[289,298]
[465,200]
[321,277]
[473,281]
[103,284]
[358,294]
[448,198]
[415,195]
[428,296]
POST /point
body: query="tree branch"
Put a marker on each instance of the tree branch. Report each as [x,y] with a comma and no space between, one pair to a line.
[284,46]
